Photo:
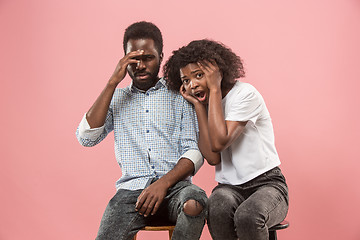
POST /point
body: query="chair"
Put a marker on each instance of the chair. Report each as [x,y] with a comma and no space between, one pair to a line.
[272,231]
[169,228]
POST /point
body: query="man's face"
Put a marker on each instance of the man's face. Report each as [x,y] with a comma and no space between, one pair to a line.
[144,73]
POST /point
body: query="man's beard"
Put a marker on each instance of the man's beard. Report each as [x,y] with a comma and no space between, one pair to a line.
[150,82]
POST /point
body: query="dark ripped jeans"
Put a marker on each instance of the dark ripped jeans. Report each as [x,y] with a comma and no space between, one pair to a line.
[121,222]
[247,211]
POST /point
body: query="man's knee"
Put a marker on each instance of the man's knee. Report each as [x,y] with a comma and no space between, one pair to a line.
[192,207]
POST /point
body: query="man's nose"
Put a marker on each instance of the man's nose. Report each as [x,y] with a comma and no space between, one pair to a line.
[140,65]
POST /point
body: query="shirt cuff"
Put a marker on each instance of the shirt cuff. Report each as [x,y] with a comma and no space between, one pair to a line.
[196,157]
[89,133]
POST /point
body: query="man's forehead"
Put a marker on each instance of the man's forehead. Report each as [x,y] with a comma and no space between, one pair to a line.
[137,44]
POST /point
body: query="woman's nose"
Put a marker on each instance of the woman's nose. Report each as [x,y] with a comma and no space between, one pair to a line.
[193,84]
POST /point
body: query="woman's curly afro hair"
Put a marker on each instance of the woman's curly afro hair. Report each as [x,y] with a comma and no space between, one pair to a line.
[228,62]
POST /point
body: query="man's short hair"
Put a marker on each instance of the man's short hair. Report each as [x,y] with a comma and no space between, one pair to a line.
[144,30]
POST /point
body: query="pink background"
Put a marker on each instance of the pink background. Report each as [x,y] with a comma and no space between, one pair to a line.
[56,56]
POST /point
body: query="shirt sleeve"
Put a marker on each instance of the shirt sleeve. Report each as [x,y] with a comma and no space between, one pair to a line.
[189,137]
[247,105]
[196,157]
[89,137]
[90,133]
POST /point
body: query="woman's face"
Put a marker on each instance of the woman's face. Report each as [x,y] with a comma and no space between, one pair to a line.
[194,82]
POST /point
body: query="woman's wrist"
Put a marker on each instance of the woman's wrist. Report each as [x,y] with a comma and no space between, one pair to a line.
[198,105]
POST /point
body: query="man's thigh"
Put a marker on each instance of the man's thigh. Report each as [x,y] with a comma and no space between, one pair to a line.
[120,218]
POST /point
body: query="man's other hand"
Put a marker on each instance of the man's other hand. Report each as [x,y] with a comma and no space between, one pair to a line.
[151,198]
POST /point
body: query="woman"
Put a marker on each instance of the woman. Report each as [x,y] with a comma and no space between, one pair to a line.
[236,135]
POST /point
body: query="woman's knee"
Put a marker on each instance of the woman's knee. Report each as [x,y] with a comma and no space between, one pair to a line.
[248,220]
[223,200]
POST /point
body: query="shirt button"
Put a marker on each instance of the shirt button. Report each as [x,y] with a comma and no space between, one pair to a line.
[152,167]
[147,131]
[147,111]
[149,149]
[147,94]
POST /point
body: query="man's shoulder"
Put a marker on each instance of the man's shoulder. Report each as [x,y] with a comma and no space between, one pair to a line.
[122,91]
[174,99]
[169,93]
[121,95]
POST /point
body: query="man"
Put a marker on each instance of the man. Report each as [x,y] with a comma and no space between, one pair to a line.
[155,144]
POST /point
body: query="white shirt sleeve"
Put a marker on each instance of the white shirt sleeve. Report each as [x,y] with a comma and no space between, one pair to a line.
[196,157]
[246,106]
[89,133]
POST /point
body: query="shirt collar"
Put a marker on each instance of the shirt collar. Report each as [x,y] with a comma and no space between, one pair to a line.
[160,84]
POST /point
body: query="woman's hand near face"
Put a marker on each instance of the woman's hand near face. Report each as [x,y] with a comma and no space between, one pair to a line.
[188,96]
[212,74]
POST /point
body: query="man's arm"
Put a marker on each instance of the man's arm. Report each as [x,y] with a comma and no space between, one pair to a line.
[96,115]
[151,197]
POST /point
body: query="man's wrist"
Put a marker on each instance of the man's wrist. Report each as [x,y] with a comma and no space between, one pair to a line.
[165,181]
[113,82]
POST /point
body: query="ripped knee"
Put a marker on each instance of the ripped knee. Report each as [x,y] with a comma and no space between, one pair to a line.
[192,207]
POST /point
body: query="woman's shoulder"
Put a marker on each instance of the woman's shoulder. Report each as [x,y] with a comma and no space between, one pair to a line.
[242,89]
[244,86]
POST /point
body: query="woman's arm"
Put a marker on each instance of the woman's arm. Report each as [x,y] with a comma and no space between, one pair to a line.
[213,158]
[223,133]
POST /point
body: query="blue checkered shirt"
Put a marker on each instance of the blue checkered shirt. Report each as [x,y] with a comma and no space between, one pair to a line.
[152,131]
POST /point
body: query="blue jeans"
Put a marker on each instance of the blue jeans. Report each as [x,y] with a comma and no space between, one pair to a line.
[247,211]
[121,222]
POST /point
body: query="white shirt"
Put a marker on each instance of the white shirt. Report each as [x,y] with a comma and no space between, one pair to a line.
[253,152]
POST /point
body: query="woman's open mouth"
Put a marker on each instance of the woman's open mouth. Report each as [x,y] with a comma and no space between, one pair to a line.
[201,96]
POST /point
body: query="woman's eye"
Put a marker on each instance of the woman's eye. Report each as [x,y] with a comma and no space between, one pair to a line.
[199,75]
[185,81]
